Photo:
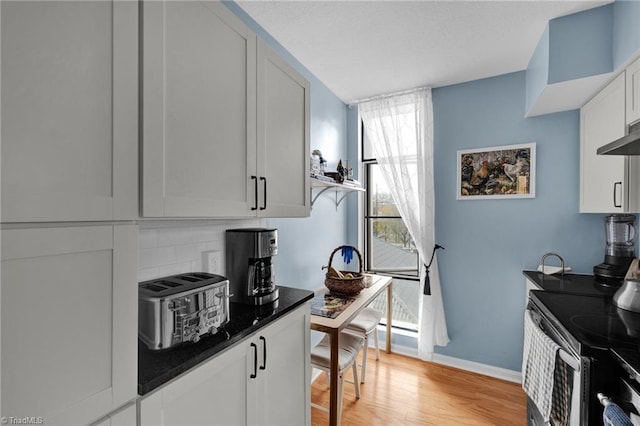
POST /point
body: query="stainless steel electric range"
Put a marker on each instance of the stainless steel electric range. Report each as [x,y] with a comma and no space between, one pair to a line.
[597,337]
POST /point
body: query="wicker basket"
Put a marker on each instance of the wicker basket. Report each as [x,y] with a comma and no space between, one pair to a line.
[345,286]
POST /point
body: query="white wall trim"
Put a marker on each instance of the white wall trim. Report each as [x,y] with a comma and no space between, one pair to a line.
[476,367]
[463,364]
[315,374]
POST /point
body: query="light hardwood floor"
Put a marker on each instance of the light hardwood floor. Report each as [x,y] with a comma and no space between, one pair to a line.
[401,390]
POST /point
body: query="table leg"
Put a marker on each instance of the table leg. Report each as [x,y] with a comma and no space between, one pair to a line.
[389,315]
[334,372]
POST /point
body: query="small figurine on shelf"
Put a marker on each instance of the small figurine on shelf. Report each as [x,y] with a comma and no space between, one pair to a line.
[348,171]
[319,161]
[341,170]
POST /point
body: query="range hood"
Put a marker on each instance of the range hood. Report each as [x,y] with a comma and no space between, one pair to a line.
[626,145]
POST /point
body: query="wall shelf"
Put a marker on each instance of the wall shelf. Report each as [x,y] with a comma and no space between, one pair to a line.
[319,187]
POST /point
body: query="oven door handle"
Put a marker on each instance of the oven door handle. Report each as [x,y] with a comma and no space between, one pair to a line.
[570,360]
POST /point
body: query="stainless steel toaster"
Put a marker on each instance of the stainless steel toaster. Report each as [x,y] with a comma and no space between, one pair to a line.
[181,308]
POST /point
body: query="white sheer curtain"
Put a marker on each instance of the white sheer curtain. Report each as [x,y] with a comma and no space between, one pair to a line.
[400,129]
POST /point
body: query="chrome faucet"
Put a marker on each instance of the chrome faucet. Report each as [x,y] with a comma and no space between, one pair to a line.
[556,255]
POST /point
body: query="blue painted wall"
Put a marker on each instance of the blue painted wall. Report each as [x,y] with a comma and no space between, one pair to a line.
[305,244]
[572,47]
[626,31]
[489,242]
[580,44]
[537,76]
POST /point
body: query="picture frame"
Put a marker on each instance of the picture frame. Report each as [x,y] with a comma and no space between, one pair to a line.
[499,172]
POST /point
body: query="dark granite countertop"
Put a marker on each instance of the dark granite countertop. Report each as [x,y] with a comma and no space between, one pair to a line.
[581,284]
[156,368]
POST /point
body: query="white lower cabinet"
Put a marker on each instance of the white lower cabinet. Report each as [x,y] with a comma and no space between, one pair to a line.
[69,300]
[211,394]
[282,387]
[263,380]
[126,416]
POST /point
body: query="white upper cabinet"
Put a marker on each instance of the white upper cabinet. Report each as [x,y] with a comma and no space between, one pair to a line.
[225,124]
[69,322]
[633,92]
[283,137]
[198,106]
[607,183]
[69,110]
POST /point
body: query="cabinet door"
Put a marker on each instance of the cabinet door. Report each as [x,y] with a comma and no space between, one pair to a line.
[69,322]
[283,137]
[633,92]
[198,140]
[124,417]
[212,394]
[283,383]
[69,110]
[603,178]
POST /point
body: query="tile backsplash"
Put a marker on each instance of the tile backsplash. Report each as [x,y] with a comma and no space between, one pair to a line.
[174,247]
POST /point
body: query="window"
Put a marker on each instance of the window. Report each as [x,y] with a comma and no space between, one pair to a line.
[388,245]
[389,249]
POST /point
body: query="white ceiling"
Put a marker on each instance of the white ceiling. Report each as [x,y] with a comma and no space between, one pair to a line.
[360,49]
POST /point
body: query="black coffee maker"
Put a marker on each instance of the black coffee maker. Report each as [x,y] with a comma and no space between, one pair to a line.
[620,231]
[248,265]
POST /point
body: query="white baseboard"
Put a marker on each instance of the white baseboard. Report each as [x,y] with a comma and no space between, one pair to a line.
[476,367]
[315,374]
[462,364]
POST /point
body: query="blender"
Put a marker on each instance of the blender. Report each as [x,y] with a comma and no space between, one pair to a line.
[620,231]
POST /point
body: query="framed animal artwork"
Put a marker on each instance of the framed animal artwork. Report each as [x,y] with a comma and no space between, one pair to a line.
[498,172]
